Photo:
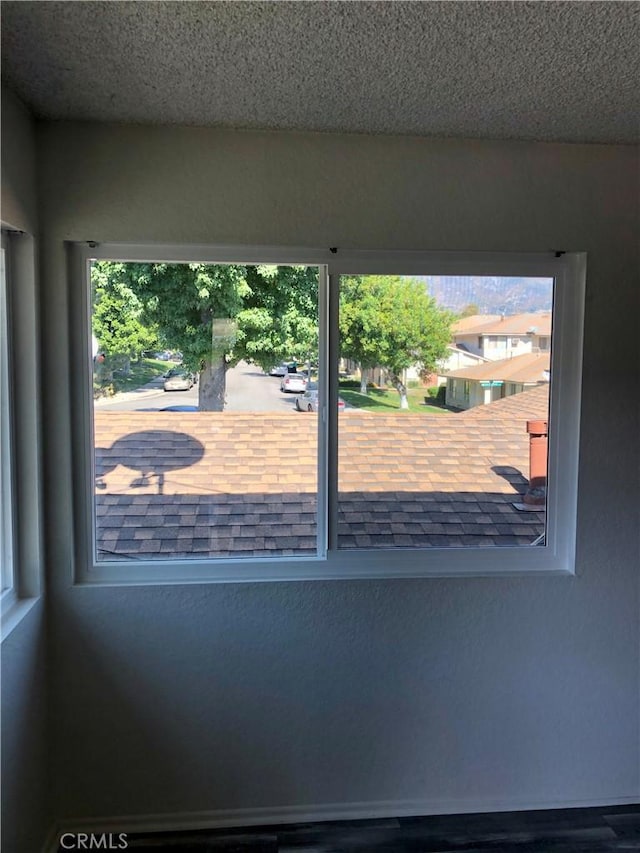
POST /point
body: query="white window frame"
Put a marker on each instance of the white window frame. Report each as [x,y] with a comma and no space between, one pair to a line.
[22,428]
[7,533]
[555,556]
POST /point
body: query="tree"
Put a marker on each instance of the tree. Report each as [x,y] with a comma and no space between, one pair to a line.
[279,318]
[469,310]
[218,314]
[117,314]
[392,322]
[359,324]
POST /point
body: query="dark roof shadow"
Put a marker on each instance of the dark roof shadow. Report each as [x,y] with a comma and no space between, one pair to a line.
[155,453]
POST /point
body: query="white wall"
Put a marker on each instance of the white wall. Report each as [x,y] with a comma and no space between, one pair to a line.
[447,694]
[25,800]
[19,194]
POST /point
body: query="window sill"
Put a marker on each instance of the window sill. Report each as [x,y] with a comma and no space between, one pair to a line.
[15,612]
[337,565]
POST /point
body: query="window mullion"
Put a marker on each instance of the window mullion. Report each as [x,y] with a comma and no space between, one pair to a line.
[324,474]
[330,413]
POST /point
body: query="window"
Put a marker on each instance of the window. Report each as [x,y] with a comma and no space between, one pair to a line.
[20,420]
[6,448]
[199,447]
[348,459]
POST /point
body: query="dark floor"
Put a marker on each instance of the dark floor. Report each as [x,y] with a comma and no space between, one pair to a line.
[594,830]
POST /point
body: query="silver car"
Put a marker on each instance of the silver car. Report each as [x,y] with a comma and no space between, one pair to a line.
[308,402]
[179,380]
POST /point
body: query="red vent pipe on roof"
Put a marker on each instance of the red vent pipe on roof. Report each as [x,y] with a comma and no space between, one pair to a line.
[536,494]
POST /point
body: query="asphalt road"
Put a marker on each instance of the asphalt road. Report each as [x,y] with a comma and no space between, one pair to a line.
[248,390]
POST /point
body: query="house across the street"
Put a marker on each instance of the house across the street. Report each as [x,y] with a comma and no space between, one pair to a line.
[496,336]
[484,383]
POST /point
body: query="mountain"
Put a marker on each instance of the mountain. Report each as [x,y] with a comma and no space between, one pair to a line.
[492,294]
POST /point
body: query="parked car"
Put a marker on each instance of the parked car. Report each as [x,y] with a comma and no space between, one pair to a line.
[179,409]
[179,380]
[295,382]
[308,402]
[283,368]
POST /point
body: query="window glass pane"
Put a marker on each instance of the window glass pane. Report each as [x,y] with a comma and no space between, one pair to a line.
[203,447]
[442,442]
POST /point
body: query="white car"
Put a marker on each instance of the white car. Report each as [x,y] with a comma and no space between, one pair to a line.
[283,368]
[308,402]
[295,382]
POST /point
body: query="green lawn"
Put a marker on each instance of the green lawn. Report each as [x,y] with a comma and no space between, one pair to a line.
[388,400]
[142,371]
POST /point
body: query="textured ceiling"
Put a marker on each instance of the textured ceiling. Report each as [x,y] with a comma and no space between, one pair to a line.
[566,71]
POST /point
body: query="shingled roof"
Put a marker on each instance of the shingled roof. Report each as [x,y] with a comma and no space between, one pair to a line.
[511,324]
[532,404]
[242,484]
[528,367]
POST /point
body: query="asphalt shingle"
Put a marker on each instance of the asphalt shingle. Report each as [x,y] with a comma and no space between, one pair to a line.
[218,484]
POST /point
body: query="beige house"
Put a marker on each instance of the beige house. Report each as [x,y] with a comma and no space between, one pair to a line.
[456,359]
[484,383]
[496,336]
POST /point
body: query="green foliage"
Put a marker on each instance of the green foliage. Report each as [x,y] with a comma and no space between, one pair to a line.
[391,322]
[182,300]
[259,313]
[279,319]
[469,310]
[219,314]
[117,313]
[351,383]
[437,393]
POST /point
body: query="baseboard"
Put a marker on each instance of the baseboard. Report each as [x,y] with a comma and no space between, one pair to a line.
[52,844]
[227,818]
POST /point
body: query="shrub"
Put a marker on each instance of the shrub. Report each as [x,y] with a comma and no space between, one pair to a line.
[437,393]
[355,384]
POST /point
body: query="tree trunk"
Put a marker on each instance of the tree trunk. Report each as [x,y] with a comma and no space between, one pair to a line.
[363,380]
[212,386]
[401,388]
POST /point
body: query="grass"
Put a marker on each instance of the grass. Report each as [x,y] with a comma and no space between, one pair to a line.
[141,372]
[388,400]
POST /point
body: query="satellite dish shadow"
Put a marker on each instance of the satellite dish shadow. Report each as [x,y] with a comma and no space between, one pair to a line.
[151,452]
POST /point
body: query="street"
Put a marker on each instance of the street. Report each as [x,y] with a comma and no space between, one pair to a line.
[248,390]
